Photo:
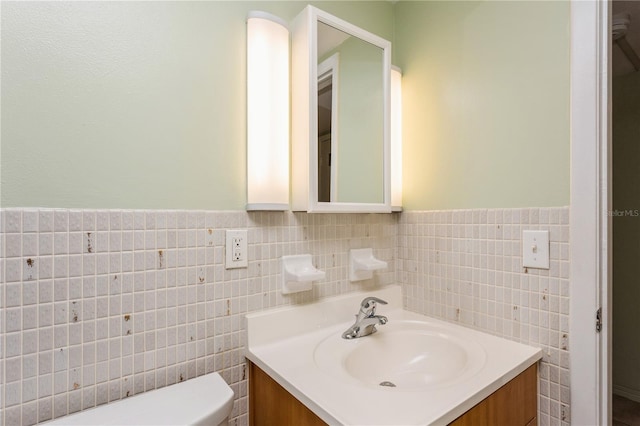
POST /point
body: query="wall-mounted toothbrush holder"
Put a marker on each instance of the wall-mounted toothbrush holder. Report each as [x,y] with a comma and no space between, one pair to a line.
[362,263]
[298,273]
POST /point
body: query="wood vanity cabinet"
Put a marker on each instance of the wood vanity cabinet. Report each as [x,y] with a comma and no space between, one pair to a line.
[514,404]
[272,405]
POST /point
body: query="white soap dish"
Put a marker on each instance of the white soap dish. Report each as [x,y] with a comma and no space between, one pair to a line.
[298,273]
[362,263]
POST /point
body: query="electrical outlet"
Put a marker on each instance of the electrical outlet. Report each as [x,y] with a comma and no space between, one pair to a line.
[236,249]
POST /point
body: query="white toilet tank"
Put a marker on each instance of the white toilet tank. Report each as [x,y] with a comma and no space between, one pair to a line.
[205,400]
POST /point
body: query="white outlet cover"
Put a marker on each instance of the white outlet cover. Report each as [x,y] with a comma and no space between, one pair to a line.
[535,249]
[236,252]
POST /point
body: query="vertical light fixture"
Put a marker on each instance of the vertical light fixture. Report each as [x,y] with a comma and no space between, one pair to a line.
[396,139]
[267,112]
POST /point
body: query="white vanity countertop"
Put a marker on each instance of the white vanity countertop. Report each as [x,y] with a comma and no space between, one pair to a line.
[282,342]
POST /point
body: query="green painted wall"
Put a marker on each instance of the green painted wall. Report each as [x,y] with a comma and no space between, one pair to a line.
[142,104]
[133,104]
[485,103]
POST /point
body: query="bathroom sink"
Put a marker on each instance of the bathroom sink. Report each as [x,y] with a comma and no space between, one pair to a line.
[415,370]
[403,355]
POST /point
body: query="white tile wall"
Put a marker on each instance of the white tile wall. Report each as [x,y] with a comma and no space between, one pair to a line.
[103,304]
[465,266]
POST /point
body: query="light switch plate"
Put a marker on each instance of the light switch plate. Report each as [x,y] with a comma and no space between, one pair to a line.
[535,249]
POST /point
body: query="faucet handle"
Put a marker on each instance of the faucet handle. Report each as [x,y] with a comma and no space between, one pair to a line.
[368,305]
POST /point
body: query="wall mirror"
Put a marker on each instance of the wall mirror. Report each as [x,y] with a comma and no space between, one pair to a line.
[340,116]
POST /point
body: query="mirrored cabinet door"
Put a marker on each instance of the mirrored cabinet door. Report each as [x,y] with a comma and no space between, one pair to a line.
[340,116]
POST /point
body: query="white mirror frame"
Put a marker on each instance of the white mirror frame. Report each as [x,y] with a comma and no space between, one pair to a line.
[304,121]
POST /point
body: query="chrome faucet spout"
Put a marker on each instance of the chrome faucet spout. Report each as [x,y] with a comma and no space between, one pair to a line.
[366,319]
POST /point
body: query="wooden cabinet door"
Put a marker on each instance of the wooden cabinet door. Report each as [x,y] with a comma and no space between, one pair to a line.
[271,405]
[514,404]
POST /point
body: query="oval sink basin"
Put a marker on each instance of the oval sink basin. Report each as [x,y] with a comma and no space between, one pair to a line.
[404,355]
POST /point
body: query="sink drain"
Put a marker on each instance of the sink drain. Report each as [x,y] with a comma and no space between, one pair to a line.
[388,384]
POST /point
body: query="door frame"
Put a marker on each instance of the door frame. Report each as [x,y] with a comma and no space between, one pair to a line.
[590,289]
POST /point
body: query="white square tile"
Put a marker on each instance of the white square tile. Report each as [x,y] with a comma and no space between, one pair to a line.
[115,241]
[102,220]
[75,243]
[29,390]
[29,220]
[13,320]
[181,220]
[75,401]
[29,342]
[88,220]
[150,240]
[60,405]
[45,338]
[126,241]
[138,240]
[128,220]
[13,344]
[45,246]
[115,220]
[75,287]
[60,336]
[161,219]
[150,220]
[13,295]
[45,409]
[61,220]
[101,242]
[29,317]
[12,394]
[45,220]
[13,245]
[138,220]
[75,220]
[45,386]
[102,263]
[60,382]
[75,265]
[13,270]
[171,219]
[12,221]
[14,369]
[29,244]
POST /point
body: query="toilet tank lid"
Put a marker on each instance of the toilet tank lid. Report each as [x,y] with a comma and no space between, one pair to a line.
[204,400]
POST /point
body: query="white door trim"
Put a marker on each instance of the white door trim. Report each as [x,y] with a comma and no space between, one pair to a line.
[589,221]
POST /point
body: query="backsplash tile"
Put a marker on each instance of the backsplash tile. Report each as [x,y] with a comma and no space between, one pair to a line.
[104,304]
[465,266]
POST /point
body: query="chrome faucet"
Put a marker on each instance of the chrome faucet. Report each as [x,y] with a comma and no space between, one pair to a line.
[366,319]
